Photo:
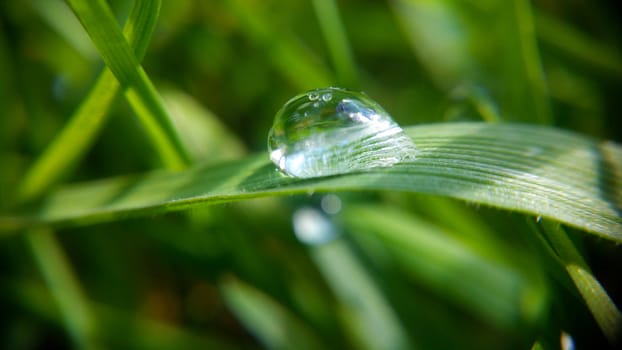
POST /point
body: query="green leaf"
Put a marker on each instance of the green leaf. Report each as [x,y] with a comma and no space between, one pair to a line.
[541,171]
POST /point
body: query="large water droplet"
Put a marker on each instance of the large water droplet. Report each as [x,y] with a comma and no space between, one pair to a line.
[334,131]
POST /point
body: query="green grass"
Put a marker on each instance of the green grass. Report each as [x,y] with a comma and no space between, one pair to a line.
[139,208]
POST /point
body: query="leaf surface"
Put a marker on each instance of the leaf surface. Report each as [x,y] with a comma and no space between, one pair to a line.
[536,170]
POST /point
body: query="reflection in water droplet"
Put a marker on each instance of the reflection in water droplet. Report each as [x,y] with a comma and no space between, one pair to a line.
[312,227]
[331,204]
[313,95]
[342,131]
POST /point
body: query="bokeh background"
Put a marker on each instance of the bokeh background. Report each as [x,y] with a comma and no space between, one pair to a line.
[235,275]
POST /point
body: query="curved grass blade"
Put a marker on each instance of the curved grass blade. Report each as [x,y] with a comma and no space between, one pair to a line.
[76,137]
[541,171]
[604,310]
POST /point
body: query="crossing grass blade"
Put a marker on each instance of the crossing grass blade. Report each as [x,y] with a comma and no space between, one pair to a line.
[81,131]
[99,22]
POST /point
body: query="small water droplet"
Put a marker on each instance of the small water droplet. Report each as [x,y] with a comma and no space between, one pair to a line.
[539,218]
[342,131]
[331,204]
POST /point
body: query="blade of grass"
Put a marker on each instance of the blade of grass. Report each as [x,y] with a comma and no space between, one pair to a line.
[118,327]
[337,41]
[292,59]
[8,136]
[270,322]
[501,294]
[82,129]
[205,137]
[363,308]
[531,64]
[551,262]
[63,286]
[100,24]
[466,225]
[65,151]
[488,45]
[555,33]
[59,17]
[601,306]
[431,27]
[542,171]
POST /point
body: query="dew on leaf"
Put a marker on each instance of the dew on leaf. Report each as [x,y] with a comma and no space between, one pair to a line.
[335,131]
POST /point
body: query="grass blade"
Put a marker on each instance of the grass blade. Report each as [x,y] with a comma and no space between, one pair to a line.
[600,304]
[531,64]
[119,327]
[271,323]
[579,46]
[76,137]
[541,171]
[447,37]
[501,294]
[364,310]
[293,60]
[99,22]
[63,286]
[336,40]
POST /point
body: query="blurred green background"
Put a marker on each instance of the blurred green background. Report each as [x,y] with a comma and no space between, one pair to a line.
[404,270]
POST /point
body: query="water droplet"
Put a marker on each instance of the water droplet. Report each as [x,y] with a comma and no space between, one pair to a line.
[342,131]
[313,95]
[331,204]
[539,218]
